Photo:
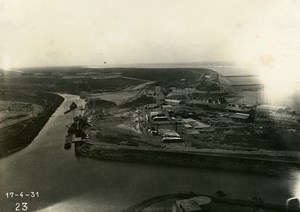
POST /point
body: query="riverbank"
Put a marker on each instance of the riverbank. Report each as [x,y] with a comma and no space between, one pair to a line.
[16,137]
[272,167]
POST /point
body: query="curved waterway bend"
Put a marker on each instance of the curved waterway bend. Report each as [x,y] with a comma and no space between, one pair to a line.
[67,183]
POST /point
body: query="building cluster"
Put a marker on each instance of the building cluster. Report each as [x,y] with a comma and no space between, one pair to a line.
[171,117]
[159,121]
[278,113]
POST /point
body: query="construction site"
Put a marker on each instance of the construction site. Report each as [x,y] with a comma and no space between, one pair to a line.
[190,117]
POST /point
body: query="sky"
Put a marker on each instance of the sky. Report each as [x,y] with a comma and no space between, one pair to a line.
[76,32]
[264,34]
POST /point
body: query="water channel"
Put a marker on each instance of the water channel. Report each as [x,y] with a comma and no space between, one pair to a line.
[67,183]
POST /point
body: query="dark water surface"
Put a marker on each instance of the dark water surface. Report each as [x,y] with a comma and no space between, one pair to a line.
[67,183]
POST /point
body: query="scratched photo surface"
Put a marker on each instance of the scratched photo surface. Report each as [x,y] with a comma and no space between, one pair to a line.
[139,105]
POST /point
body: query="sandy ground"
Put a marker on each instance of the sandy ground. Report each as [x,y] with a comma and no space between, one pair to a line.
[125,95]
[19,111]
[117,97]
[130,128]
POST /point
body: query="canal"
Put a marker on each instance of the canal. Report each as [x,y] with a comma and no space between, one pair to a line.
[67,183]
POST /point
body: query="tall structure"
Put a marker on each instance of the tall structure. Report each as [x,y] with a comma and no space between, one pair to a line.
[159,96]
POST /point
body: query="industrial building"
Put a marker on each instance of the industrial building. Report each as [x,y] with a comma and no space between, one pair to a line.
[241,117]
[174,102]
[199,203]
[285,117]
[170,138]
[266,109]
[157,117]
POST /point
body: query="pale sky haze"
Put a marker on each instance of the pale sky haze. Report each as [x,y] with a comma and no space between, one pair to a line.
[77,32]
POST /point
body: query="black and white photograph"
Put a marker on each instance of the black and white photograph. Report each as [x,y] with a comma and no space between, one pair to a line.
[150,105]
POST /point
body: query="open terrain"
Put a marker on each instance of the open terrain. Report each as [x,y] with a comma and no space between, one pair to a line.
[26,103]
[123,105]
